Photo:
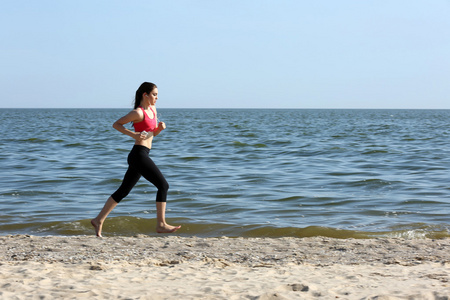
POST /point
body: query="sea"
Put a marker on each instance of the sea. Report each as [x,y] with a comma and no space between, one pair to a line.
[341,173]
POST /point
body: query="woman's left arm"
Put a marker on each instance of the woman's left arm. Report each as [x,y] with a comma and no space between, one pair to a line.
[161,125]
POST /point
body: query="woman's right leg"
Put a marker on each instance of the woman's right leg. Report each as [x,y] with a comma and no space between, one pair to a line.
[129,181]
[98,221]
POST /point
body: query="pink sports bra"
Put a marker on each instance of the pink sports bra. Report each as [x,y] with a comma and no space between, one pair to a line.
[147,124]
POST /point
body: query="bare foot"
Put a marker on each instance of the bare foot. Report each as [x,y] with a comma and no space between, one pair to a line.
[98,227]
[167,229]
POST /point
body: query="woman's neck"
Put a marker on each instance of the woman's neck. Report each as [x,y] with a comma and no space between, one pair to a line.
[145,107]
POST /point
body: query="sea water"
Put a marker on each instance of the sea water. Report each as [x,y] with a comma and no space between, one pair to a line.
[232,172]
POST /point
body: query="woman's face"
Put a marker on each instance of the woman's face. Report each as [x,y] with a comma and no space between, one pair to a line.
[152,96]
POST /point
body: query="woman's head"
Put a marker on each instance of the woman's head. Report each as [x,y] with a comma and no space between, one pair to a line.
[145,88]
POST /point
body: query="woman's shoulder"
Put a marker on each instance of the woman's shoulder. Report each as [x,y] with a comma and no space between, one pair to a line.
[136,115]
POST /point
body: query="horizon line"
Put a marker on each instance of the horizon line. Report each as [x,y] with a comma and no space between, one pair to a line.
[246,108]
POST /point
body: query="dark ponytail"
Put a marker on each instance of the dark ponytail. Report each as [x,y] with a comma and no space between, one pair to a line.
[146,87]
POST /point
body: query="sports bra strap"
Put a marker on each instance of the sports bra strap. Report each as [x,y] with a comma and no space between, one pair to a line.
[143,110]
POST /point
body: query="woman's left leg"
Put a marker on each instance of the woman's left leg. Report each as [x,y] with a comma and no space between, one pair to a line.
[162,226]
[151,172]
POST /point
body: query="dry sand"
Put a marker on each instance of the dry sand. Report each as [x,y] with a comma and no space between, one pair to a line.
[171,267]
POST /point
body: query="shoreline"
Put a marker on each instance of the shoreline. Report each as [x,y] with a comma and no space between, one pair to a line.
[172,267]
[250,252]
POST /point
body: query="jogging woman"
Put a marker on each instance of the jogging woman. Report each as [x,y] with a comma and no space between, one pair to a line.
[143,116]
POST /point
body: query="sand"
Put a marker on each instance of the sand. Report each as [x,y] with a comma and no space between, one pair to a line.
[171,267]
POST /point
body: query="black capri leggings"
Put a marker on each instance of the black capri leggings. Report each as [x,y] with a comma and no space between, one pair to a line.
[140,164]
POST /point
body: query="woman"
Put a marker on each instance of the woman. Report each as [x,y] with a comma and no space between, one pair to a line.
[140,164]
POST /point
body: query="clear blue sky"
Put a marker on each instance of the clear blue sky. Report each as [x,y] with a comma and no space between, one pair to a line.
[226,54]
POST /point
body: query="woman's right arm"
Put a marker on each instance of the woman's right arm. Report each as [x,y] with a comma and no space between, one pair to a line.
[132,116]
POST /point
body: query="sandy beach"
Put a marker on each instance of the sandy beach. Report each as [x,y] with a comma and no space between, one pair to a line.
[171,267]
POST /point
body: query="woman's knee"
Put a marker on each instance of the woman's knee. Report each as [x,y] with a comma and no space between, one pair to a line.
[164,185]
[119,195]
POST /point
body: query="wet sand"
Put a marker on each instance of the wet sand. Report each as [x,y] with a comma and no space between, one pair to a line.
[171,267]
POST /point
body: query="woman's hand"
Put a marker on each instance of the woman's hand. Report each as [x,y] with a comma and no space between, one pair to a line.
[161,127]
[141,136]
